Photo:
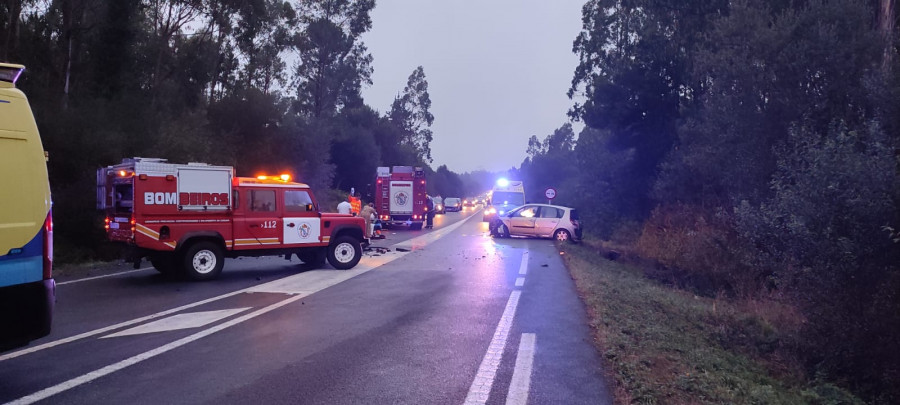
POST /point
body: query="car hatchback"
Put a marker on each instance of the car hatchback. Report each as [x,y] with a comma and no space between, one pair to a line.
[539,220]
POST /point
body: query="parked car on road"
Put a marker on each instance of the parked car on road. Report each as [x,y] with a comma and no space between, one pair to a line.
[452,204]
[540,220]
[439,205]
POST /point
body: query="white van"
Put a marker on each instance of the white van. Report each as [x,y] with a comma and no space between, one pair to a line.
[27,288]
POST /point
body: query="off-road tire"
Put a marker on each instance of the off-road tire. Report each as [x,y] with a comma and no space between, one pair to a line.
[203,261]
[344,252]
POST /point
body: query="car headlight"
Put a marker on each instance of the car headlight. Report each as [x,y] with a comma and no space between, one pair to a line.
[501,212]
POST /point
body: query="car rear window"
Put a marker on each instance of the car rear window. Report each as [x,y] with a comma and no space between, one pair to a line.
[573,215]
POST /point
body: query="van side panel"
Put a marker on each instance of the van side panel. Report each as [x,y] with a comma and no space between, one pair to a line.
[27,291]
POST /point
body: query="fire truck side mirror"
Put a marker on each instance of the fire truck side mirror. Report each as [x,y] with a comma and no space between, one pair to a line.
[309,207]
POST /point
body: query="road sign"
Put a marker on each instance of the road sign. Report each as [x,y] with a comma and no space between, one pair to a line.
[550,193]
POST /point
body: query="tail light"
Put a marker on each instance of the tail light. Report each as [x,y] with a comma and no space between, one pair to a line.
[132,224]
[106,223]
[48,246]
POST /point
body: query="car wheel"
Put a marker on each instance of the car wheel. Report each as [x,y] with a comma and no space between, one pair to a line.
[312,256]
[164,263]
[203,261]
[344,253]
[562,235]
[503,230]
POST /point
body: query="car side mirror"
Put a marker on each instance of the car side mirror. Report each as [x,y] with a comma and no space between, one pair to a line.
[309,207]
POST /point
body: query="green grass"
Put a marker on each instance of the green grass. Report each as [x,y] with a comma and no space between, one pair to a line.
[666,346]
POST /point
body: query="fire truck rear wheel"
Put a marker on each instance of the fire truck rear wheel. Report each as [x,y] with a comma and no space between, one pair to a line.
[344,252]
[203,261]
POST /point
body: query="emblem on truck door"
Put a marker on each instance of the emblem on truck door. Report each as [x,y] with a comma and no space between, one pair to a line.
[304,230]
[401,198]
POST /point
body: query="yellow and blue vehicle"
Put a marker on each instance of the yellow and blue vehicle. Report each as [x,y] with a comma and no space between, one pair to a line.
[27,288]
[506,195]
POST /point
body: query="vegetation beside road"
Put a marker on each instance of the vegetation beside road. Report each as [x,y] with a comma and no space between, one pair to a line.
[664,345]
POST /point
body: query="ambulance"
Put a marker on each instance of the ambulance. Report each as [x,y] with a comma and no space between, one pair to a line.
[187,218]
[27,288]
[505,195]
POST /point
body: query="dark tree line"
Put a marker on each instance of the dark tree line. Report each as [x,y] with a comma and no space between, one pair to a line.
[263,85]
[751,147]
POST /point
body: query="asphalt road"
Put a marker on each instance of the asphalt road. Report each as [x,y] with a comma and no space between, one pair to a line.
[453,316]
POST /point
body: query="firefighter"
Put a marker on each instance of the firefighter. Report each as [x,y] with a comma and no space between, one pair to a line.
[368,214]
[429,212]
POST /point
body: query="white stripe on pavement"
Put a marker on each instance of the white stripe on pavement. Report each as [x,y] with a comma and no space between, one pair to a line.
[181,321]
[520,281]
[487,371]
[103,276]
[523,268]
[521,378]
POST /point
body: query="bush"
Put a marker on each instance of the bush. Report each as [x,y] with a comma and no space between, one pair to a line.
[699,250]
[823,233]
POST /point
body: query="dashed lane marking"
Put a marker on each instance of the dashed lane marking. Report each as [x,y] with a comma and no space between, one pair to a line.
[523,268]
[521,378]
[487,371]
[520,281]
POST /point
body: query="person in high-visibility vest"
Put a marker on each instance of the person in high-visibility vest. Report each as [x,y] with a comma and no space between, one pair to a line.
[355,205]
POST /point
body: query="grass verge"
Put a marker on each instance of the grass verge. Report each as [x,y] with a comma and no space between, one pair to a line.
[666,346]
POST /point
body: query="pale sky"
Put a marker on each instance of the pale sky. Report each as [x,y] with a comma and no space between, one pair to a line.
[497,72]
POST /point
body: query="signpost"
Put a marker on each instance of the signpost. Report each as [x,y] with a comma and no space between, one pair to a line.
[550,193]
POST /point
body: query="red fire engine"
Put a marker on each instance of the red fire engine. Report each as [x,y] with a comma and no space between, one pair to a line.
[400,196]
[188,217]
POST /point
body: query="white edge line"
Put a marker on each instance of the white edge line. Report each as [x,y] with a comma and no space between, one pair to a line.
[67,385]
[103,276]
[521,378]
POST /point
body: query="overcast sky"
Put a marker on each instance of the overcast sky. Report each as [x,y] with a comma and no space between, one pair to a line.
[497,71]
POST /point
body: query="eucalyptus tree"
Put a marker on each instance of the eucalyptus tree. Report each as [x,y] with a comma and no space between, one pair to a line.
[410,112]
[333,62]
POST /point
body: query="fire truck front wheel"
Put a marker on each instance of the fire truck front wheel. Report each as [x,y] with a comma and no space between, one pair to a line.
[344,252]
[203,261]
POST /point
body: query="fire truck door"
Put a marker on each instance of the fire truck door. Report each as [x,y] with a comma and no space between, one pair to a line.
[261,225]
[301,222]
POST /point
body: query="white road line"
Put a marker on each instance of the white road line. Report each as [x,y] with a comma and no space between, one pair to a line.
[523,268]
[181,321]
[116,326]
[521,378]
[487,371]
[419,241]
[86,378]
[103,276]
[520,281]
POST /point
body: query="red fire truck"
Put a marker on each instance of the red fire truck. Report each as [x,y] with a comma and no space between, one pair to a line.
[400,196]
[188,217]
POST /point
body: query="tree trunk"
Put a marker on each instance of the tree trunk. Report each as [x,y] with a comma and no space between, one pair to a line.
[11,36]
[886,27]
